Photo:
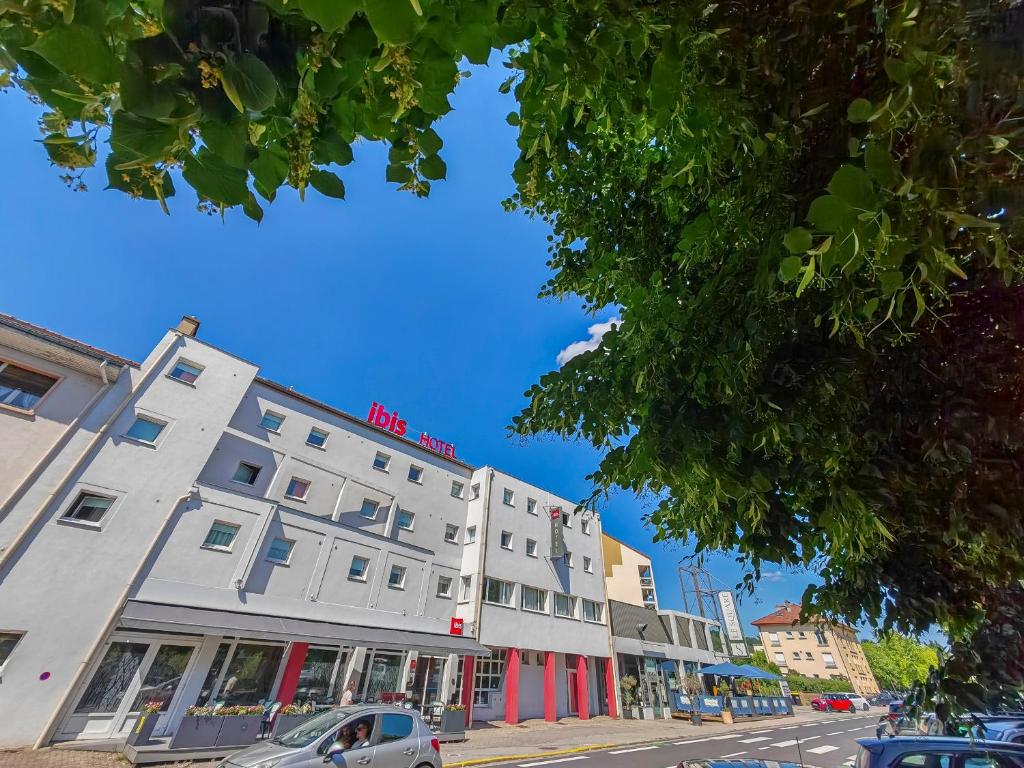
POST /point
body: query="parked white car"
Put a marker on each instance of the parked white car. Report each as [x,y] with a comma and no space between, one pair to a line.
[858,701]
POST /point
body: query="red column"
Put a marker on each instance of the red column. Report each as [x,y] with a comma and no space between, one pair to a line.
[609,685]
[582,688]
[468,683]
[550,700]
[512,686]
[292,669]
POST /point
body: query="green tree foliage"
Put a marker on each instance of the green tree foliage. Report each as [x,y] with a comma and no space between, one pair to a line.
[899,662]
[760,660]
[802,684]
[807,213]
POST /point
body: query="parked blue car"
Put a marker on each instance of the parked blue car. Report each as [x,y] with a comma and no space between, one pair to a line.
[937,752]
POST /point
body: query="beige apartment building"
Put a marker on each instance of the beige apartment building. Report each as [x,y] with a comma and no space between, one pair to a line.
[627,573]
[815,649]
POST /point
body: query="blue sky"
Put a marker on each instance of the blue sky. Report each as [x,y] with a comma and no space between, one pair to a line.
[427,305]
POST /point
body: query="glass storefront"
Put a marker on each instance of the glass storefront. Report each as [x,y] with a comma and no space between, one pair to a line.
[112,678]
[205,697]
[318,677]
[163,677]
[381,673]
[251,673]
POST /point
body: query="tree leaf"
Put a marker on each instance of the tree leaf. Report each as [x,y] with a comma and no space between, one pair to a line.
[252,82]
[881,166]
[78,51]
[433,167]
[252,208]
[829,213]
[330,15]
[394,21]
[853,186]
[797,240]
[141,140]
[398,173]
[806,279]
[214,179]
[327,184]
[790,268]
[859,111]
[269,170]
[968,221]
[227,140]
[429,142]
[331,148]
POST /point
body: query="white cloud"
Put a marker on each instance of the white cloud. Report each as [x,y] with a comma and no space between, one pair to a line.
[596,331]
[773,576]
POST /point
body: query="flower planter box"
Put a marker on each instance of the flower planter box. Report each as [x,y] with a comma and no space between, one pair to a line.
[727,716]
[285,723]
[648,713]
[453,721]
[143,729]
[239,731]
[198,731]
[666,713]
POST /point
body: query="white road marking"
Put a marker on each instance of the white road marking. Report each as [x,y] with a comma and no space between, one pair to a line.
[854,729]
[758,733]
[810,738]
[692,741]
[734,754]
[634,749]
[789,743]
[754,740]
[789,728]
[823,749]
[835,733]
[556,760]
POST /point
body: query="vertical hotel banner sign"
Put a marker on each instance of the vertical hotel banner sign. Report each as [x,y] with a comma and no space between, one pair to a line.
[730,616]
[557,534]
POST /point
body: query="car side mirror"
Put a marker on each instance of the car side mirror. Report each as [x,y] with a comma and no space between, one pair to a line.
[334,750]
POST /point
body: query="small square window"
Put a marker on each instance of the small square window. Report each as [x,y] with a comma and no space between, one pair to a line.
[145,430]
[396,579]
[272,421]
[89,508]
[8,641]
[23,388]
[246,473]
[465,585]
[506,540]
[186,372]
[415,474]
[567,559]
[471,534]
[357,571]
[297,489]
[369,509]
[457,489]
[451,533]
[567,520]
[509,497]
[474,491]
[531,548]
[280,551]
[585,525]
[406,519]
[381,461]
[808,655]
[221,536]
[588,564]
[531,506]
[317,438]
[444,586]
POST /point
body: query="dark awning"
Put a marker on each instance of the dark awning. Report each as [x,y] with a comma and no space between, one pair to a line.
[176,618]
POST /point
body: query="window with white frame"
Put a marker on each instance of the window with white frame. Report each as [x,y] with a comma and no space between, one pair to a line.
[506,540]
[809,656]
[531,506]
[588,564]
[369,509]
[497,592]
[272,421]
[145,429]
[451,533]
[531,548]
[23,388]
[297,489]
[465,587]
[567,559]
[593,611]
[357,570]
[533,599]
[396,579]
[444,586]
[8,641]
[567,520]
[246,473]
[773,638]
[185,371]
[415,474]
[780,658]
[796,655]
[488,677]
[221,536]
[585,525]
[508,497]
[89,507]
[406,519]
[458,489]
[381,461]
[280,551]
[565,606]
[830,661]
[474,491]
[471,534]
[317,437]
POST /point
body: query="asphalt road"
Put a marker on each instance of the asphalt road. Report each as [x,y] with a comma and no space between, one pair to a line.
[826,743]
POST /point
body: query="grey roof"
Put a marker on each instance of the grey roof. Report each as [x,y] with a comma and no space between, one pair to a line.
[626,617]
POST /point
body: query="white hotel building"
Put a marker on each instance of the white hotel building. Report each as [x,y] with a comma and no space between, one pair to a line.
[184,530]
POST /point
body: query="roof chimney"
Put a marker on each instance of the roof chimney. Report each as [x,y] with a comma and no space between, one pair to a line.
[188,326]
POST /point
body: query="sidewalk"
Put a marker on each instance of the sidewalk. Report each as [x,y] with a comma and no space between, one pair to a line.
[485,743]
[498,742]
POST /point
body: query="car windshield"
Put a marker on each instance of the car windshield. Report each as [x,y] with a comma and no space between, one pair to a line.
[313,729]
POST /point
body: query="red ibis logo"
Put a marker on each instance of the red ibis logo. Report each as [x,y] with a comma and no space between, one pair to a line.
[380,417]
[456,626]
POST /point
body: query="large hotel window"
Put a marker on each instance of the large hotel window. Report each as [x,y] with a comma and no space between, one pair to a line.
[533,599]
[593,612]
[565,606]
[497,592]
[488,677]
[21,388]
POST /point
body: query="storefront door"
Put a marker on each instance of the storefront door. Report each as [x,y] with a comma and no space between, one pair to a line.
[427,679]
[134,671]
[571,679]
[382,672]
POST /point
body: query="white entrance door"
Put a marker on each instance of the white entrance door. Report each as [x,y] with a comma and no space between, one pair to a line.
[133,671]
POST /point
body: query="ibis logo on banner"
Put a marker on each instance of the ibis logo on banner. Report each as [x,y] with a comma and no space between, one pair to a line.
[557,535]
[456,626]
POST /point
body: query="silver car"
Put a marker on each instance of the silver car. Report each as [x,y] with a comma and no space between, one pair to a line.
[371,735]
